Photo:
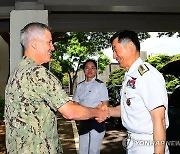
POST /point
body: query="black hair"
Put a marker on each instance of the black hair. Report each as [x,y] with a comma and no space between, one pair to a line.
[127,34]
[90,60]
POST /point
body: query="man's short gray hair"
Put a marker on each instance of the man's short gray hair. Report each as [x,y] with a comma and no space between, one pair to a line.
[31,31]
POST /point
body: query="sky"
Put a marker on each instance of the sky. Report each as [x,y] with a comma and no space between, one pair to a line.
[163,45]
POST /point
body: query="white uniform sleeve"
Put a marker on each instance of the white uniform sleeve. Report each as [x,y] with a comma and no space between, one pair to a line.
[152,90]
[103,92]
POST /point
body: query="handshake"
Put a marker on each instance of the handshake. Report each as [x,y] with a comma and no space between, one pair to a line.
[103,113]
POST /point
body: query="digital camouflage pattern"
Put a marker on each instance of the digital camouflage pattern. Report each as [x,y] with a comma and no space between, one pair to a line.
[32,96]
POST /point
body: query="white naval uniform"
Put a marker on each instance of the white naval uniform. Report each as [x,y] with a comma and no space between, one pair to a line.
[141,93]
[90,94]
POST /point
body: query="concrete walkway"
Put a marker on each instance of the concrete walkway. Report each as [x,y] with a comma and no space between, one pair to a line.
[112,142]
[69,138]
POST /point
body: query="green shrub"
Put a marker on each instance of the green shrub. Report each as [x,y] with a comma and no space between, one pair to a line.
[114,85]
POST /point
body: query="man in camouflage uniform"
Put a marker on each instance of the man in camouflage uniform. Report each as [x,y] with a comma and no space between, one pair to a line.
[33,95]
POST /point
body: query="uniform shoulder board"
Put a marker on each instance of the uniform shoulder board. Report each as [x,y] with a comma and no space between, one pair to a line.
[81,82]
[98,80]
[143,69]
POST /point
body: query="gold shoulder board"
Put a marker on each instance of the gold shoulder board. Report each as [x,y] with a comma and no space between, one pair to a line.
[143,69]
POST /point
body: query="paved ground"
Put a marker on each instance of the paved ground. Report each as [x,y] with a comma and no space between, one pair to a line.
[112,142]
[70,139]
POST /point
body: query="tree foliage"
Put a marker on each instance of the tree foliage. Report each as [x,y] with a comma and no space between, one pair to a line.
[143,36]
[168,34]
[114,85]
[72,49]
[116,77]
[159,62]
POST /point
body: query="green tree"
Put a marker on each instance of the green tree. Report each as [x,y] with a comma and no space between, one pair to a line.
[168,34]
[159,62]
[175,57]
[114,83]
[116,77]
[72,49]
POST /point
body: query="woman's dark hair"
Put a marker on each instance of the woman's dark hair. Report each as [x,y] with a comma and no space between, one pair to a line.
[90,60]
[127,34]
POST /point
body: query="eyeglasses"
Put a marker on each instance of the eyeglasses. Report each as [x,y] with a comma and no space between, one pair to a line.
[48,42]
[90,68]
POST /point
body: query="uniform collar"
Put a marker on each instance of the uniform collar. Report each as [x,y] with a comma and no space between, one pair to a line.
[29,60]
[133,71]
[93,79]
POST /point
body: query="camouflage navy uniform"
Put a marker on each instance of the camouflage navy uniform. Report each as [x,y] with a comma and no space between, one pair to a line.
[32,96]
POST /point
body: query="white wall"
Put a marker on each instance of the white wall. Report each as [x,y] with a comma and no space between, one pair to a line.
[18,19]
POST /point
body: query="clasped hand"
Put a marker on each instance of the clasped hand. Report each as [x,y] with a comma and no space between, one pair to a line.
[103,113]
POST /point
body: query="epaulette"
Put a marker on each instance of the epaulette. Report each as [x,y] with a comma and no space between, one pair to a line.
[143,69]
[81,82]
[98,80]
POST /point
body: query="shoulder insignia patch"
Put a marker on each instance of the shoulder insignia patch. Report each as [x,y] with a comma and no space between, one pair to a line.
[81,82]
[98,80]
[143,69]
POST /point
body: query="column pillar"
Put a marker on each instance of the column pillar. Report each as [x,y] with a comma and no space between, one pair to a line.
[18,19]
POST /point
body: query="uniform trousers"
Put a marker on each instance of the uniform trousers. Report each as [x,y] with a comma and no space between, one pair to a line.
[142,143]
[90,143]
